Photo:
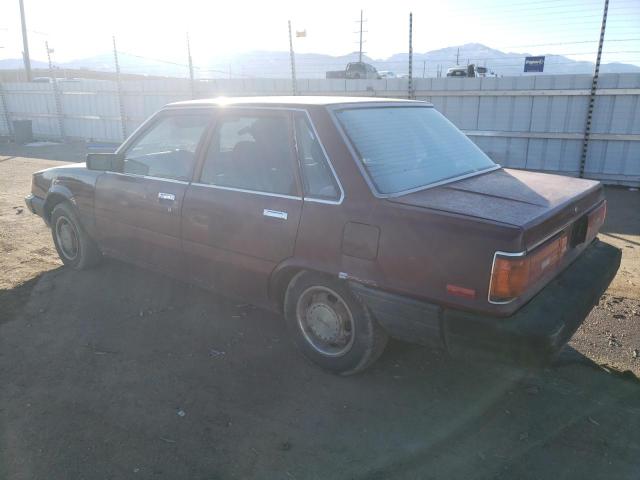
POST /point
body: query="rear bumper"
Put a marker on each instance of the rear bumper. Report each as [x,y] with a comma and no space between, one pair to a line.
[35,204]
[534,333]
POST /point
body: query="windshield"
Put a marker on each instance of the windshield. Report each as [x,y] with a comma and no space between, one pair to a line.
[404,148]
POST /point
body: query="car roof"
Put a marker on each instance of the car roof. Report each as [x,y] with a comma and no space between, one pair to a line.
[293,101]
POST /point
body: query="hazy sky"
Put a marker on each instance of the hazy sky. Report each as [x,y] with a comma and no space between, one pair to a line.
[77,29]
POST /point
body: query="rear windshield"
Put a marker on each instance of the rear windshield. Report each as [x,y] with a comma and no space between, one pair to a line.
[405,148]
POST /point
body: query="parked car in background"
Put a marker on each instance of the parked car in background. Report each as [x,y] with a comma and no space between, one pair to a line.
[387,74]
[357,218]
[355,70]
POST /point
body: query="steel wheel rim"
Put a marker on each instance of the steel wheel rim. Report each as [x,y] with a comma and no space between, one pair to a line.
[325,321]
[67,237]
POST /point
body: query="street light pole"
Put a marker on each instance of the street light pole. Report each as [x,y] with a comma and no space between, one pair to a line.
[293,62]
[56,93]
[25,43]
[191,77]
[410,93]
[360,52]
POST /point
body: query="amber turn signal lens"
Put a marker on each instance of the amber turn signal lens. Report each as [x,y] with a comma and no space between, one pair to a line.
[509,278]
[596,219]
[513,275]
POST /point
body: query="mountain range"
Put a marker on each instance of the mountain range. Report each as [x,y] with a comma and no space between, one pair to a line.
[276,64]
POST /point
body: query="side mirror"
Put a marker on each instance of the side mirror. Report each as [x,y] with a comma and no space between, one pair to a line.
[105,162]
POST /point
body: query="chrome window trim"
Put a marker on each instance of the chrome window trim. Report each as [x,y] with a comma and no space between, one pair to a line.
[358,159]
[150,177]
[285,109]
[322,200]
[242,190]
[442,182]
[326,201]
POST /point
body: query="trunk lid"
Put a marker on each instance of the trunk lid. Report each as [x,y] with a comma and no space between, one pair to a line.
[540,204]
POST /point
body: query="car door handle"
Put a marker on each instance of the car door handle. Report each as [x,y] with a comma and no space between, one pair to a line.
[275,214]
[169,197]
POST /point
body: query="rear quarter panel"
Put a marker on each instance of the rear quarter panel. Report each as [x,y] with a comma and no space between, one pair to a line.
[420,250]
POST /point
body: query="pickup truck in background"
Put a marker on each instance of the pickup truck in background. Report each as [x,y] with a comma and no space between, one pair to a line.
[356,70]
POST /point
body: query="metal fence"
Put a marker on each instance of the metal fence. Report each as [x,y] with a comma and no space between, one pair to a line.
[533,122]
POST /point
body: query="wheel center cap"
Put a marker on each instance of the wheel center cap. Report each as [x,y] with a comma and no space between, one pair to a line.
[324,322]
[66,237]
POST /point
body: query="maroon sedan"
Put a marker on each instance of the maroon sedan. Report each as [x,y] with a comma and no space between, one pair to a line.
[357,218]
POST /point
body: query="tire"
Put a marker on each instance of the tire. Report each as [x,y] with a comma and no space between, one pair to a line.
[75,247]
[330,325]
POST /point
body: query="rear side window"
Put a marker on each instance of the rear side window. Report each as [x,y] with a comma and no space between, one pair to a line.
[251,152]
[168,148]
[406,148]
[317,177]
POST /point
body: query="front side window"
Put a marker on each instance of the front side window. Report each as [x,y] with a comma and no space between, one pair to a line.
[317,178]
[251,152]
[405,148]
[168,148]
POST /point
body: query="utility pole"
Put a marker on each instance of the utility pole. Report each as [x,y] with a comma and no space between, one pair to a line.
[123,118]
[360,33]
[410,55]
[25,43]
[293,62]
[458,57]
[592,94]
[424,67]
[191,79]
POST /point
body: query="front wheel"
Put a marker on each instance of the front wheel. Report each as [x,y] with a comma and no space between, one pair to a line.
[75,248]
[330,325]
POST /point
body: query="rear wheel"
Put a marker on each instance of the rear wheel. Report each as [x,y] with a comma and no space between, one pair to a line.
[330,325]
[75,248]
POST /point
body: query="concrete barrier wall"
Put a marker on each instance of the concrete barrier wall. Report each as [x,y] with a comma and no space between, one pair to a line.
[533,122]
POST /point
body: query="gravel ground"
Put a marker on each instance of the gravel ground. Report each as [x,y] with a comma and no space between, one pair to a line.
[120,373]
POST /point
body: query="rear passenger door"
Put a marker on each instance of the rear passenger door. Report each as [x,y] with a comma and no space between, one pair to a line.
[240,216]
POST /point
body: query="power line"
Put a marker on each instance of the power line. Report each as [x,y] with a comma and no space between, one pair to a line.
[527,10]
[545,13]
[528,5]
[572,43]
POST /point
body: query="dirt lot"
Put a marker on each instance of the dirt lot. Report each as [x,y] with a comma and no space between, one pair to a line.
[121,373]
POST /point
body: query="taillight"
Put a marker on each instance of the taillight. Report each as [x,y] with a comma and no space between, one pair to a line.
[596,219]
[512,275]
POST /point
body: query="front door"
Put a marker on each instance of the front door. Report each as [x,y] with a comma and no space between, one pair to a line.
[138,209]
[240,217]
